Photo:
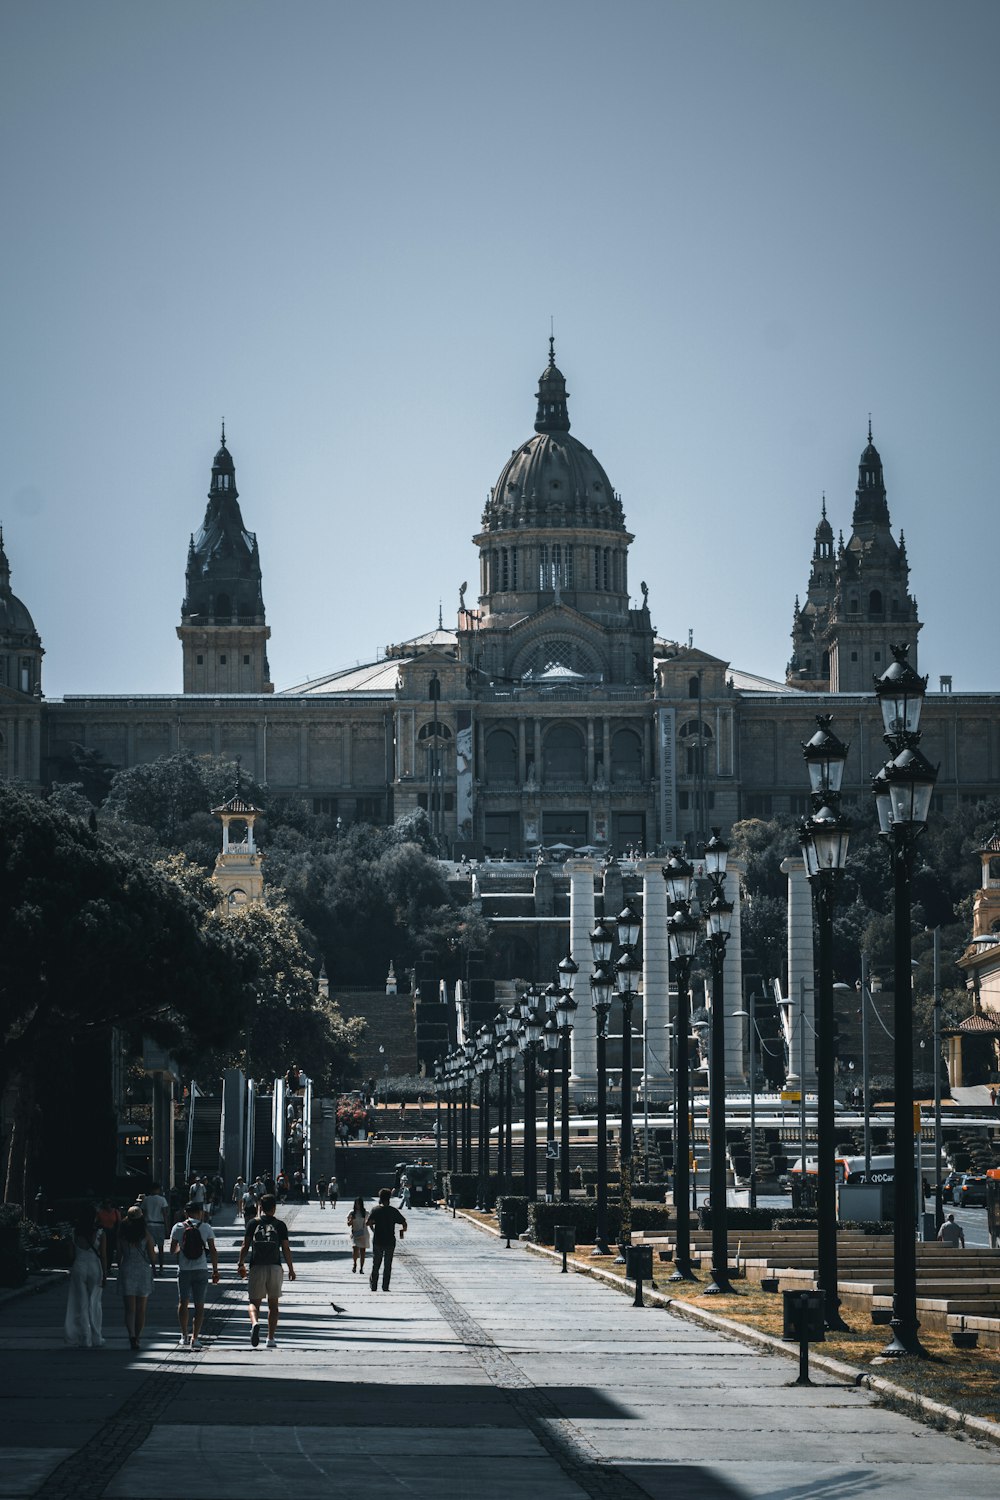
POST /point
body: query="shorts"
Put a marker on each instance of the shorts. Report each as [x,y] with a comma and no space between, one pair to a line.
[265,1281]
[192,1286]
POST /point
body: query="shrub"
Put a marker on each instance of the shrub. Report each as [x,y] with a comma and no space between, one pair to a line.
[739,1218]
[518,1206]
[543,1218]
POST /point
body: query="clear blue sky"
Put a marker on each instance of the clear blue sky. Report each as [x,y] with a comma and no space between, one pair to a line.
[344,228]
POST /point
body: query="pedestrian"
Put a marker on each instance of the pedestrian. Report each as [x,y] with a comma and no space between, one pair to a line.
[281,1187]
[267,1240]
[83,1327]
[192,1241]
[155,1208]
[404,1191]
[136,1254]
[360,1238]
[322,1183]
[333,1188]
[952,1234]
[239,1188]
[248,1204]
[109,1220]
[383,1221]
[993,1098]
[196,1191]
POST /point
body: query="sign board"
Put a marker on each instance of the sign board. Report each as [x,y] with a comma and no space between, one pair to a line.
[791,1096]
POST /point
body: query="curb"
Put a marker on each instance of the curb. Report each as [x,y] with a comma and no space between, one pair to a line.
[924,1406]
[39,1281]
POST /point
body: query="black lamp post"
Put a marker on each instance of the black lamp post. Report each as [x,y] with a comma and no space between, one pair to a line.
[824,838]
[438,1085]
[499,1032]
[484,1063]
[468,1084]
[565,1010]
[903,791]
[528,1039]
[718,919]
[682,935]
[628,971]
[508,1054]
[551,1040]
[602,983]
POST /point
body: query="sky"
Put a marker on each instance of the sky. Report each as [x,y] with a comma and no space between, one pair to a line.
[345,229]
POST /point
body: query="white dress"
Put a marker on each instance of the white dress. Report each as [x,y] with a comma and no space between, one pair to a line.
[359,1230]
[84,1315]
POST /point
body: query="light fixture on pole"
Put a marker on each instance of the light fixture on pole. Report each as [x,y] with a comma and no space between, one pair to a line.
[565,1010]
[683,929]
[438,1086]
[824,839]
[718,915]
[903,791]
[628,971]
[550,1040]
[528,1038]
[602,983]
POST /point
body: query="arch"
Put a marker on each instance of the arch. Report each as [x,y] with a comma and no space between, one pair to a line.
[223,606]
[564,754]
[501,757]
[694,686]
[875,605]
[626,755]
[555,656]
[433,730]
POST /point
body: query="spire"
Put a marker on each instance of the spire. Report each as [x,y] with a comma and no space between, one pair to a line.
[223,432]
[552,414]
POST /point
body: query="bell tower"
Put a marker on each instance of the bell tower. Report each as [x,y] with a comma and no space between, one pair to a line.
[223,631]
[238,870]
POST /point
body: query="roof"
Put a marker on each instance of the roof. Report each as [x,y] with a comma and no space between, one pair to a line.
[377,678]
[749,682]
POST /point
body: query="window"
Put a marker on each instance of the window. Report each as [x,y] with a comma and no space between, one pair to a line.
[854,656]
[694,687]
[626,756]
[565,828]
[629,831]
[224,606]
[597,567]
[686,800]
[563,754]
[441,801]
[432,731]
[501,831]
[199,661]
[501,757]
[327,806]
[368,809]
[246,661]
[800,807]
[875,602]
[24,674]
[222,661]
[825,664]
[543,568]
[757,805]
[696,743]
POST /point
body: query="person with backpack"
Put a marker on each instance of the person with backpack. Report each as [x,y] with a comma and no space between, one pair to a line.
[193,1242]
[266,1239]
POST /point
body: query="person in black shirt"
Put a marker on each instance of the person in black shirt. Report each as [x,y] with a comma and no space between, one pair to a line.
[382,1222]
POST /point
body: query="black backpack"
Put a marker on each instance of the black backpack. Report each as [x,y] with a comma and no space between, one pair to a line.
[265,1247]
[192,1244]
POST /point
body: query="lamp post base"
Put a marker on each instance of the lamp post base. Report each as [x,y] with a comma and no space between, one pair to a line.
[683,1271]
[719,1286]
[904,1345]
[620,1257]
[601,1247]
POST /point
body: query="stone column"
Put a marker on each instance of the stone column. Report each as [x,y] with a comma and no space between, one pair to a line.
[801,971]
[732,979]
[581,921]
[655,974]
[522,759]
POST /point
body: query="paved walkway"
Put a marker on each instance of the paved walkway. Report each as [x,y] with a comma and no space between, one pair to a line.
[484,1372]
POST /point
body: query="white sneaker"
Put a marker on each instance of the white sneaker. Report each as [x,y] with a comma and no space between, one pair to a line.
[184,1342]
[271,1344]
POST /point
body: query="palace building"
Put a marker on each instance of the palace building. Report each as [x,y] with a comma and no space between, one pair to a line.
[549,711]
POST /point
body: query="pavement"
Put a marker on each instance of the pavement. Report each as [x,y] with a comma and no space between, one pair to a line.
[483,1373]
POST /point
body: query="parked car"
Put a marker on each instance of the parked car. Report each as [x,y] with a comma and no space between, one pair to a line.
[972,1191]
[949,1185]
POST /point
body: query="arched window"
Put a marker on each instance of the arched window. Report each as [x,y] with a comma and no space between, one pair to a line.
[626,756]
[825,668]
[564,756]
[544,582]
[501,757]
[223,606]
[694,687]
[875,602]
[431,731]
[696,742]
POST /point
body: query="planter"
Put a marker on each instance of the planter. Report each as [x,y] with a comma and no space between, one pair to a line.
[769,1284]
[665,1255]
[966,1339]
[881,1314]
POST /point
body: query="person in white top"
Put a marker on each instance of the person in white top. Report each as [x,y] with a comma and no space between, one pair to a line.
[192,1269]
[156,1209]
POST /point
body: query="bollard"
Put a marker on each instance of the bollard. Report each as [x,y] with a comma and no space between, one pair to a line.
[804,1322]
[639,1264]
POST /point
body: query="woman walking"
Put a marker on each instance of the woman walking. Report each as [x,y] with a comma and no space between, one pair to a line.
[84,1316]
[136,1254]
[360,1238]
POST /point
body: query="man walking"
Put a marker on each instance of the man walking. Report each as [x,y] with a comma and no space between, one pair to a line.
[952,1234]
[156,1208]
[382,1222]
[191,1240]
[266,1238]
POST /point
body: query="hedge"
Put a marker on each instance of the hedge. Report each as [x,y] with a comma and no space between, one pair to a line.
[740,1218]
[543,1218]
[518,1206]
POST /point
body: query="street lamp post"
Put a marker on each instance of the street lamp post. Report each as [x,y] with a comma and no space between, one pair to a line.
[751,1016]
[499,1032]
[529,1036]
[718,917]
[484,1062]
[438,1085]
[565,1009]
[628,970]
[824,838]
[468,1083]
[550,1039]
[601,985]
[903,790]
[682,930]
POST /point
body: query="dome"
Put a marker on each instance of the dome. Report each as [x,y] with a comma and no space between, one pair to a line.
[552,480]
[14,616]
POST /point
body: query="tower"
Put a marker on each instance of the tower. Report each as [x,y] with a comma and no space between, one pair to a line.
[223,632]
[238,870]
[20,685]
[858,599]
